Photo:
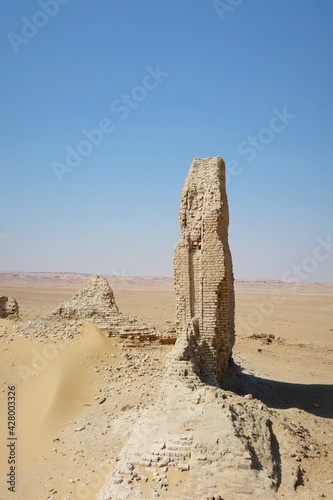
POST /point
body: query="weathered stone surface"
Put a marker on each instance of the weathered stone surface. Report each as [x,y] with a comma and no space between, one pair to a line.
[96,300]
[221,446]
[96,303]
[9,308]
[203,275]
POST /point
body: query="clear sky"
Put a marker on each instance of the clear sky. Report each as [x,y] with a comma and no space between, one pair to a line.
[165,82]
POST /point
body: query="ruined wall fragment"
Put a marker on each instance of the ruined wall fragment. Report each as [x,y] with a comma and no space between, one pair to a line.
[203,274]
[9,308]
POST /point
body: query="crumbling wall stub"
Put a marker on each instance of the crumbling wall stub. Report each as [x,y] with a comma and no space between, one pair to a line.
[9,308]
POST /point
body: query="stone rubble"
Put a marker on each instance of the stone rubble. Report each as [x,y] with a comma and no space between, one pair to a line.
[96,303]
[47,329]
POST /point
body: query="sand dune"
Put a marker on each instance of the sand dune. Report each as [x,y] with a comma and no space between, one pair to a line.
[53,383]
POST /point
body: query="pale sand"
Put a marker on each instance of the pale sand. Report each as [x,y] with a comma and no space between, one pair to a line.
[65,433]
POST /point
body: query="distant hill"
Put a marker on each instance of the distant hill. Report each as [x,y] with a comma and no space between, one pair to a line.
[77,280]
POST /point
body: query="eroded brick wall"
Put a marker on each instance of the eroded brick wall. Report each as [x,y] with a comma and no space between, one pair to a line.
[203,273]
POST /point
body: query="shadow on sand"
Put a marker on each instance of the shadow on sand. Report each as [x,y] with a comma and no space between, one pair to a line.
[313,398]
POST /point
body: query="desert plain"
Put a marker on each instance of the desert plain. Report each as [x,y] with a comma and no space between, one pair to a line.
[79,393]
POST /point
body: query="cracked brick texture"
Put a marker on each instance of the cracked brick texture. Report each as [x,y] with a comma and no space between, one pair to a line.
[203,274]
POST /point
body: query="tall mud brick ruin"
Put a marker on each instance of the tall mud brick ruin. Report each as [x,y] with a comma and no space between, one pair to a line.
[216,443]
[204,282]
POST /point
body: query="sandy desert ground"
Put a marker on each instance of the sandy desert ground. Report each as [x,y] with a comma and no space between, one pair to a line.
[78,398]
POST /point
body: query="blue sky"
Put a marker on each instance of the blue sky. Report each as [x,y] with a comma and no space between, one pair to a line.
[194,78]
